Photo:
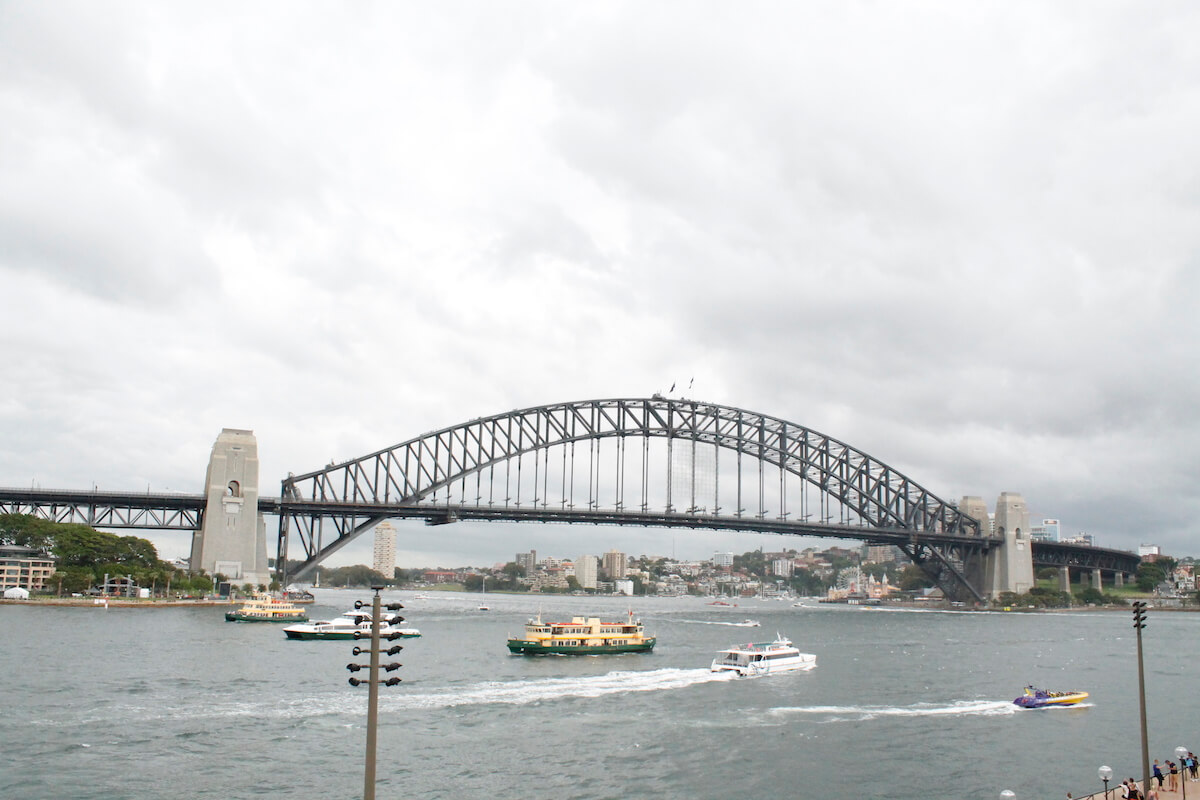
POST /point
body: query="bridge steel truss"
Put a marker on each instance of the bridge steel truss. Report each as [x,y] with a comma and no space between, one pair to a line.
[443,476]
[118,510]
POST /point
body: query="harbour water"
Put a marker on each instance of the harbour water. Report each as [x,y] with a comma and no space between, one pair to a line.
[174,703]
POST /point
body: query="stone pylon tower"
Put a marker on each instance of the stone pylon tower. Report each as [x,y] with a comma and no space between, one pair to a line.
[232,539]
[1012,564]
[977,568]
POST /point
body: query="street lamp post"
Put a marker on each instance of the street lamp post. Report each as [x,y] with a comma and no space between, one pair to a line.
[1106,776]
[374,681]
[1139,622]
[1180,756]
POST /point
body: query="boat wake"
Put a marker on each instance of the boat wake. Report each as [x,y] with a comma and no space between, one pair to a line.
[536,691]
[738,624]
[960,708]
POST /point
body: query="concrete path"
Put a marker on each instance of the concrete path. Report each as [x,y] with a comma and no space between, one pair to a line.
[1186,789]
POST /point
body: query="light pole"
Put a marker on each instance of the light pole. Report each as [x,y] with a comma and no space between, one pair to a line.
[1106,776]
[1180,756]
[1139,622]
[373,681]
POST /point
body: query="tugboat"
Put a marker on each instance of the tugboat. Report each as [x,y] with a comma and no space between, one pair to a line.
[1040,698]
[582,636]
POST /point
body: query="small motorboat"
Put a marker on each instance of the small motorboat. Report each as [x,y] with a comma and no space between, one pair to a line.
[1041,698]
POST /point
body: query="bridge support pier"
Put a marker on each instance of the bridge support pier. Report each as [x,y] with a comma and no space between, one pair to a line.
[1118,579]
[232,540]
[1010,566]
[1097,581]
[1064,579]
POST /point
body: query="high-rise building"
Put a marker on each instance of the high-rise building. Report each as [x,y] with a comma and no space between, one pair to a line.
[1048,531]
[385,550]
[527,561]
[722,559]
[586,571]
[614,564]
[879,553]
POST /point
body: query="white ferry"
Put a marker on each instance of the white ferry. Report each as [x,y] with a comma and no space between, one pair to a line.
[763,658]
[349,624]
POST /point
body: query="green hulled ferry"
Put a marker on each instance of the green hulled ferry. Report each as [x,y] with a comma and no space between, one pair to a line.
[582,636]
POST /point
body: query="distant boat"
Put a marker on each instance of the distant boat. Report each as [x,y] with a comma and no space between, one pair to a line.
[483,608]
[748,623]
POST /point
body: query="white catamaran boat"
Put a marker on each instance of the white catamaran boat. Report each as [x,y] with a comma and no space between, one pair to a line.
[348,624]
[763,658]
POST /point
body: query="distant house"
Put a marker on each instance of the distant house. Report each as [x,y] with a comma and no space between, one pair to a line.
[24,568]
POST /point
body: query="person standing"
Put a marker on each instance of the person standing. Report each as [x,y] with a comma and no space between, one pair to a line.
[1157,773]
[1173,783]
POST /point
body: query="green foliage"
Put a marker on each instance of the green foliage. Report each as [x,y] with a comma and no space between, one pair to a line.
[806,583]
[912,578]
[1149,575]
[357,575]
[752,563]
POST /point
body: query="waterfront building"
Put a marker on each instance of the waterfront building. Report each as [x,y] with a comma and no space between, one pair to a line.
[614,564]
[1151,550]
[722,559]
[24,568]
[586,571]
[782,567]
[385,550]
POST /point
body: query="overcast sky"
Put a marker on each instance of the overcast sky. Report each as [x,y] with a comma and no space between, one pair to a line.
[962,238]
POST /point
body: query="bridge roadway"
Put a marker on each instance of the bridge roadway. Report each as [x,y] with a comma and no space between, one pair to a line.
[180,512]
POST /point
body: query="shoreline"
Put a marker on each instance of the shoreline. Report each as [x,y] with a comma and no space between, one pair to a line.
[118,602]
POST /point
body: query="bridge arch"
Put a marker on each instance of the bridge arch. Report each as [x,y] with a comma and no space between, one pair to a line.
[440,476]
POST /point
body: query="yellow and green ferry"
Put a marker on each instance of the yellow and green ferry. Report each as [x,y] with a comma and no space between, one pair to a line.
[265,608]
[582,636]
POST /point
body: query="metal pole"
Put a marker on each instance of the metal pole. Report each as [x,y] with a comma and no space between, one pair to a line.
[372,701]
[1139,616]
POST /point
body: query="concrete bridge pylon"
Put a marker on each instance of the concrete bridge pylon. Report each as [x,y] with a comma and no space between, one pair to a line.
[232,540]
[1011,567]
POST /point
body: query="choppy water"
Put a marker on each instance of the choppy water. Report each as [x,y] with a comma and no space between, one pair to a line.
[148,703]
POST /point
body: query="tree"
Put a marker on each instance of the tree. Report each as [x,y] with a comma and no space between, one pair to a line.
[1149,575]
[913,578]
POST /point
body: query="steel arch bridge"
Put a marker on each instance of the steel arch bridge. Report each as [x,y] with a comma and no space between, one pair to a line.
[646,462]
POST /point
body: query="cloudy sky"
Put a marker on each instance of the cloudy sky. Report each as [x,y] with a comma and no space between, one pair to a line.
[964,238]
